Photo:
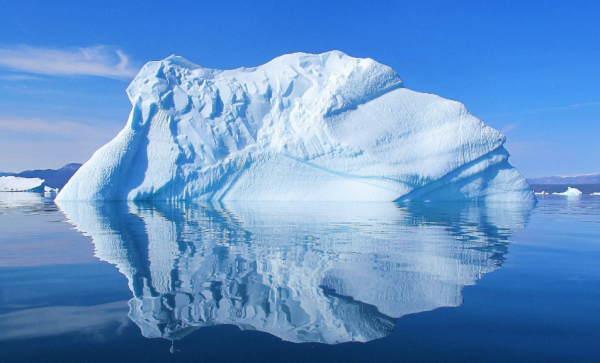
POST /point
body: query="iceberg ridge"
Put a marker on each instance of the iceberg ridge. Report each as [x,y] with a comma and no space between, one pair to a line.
[325,127]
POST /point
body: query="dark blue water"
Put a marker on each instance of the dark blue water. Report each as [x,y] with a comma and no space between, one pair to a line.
[299,282]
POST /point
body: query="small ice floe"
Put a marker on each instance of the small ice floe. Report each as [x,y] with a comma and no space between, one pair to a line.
[596,193]
[50,192]
[571,192]
[543,192]
[18,184]
[47,189]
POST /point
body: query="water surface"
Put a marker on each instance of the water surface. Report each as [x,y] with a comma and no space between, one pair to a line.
[299,282]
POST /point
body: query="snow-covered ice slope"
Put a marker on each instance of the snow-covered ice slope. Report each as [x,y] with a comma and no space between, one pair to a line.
[301,127]
[17,184]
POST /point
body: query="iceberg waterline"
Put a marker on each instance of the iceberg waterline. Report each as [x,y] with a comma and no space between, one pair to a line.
[302,127]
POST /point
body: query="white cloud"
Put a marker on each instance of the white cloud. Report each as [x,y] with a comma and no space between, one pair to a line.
[21,77]
[93,61]
[508,128]
[27,144]
[544,109]
[60,128]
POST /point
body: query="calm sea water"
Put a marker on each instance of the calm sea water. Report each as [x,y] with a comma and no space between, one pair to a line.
[299,282]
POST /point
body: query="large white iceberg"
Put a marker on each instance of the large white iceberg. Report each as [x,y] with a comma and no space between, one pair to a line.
[325,127]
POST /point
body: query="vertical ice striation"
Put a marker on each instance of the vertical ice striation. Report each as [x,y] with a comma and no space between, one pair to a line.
[302,127]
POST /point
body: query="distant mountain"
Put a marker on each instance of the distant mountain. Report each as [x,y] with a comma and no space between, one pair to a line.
[53,178]
[561,188]
[559,179]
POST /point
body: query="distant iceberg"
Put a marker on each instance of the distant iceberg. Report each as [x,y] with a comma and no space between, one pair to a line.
[17,184]
[47,189]
[571,192]
[302,127]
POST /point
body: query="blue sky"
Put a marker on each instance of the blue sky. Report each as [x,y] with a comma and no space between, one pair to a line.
[528,68]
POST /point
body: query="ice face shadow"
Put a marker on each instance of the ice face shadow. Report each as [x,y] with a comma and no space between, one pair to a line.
[304,272]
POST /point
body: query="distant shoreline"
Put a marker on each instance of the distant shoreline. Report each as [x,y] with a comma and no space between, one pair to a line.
[561,188]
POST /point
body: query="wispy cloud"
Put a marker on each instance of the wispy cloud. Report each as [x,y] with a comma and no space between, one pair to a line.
[21,77]
[59,128]
[93,61]
[577,105]
[32,143]
[508,128]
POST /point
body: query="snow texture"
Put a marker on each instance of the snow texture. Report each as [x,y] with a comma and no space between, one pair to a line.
[17,184]
[571,192]
[302,127]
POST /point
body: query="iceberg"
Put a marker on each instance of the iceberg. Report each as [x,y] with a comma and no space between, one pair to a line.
[18,184]
[47,189]
[302,127]
[570,192]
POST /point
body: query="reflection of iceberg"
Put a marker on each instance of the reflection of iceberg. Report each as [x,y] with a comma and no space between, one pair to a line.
[324,272]
[33,202]
[12,200]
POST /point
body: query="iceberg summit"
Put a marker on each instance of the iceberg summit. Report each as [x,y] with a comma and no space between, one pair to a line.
[302,127]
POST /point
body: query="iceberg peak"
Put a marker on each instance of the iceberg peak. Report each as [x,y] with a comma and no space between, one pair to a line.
[300,127]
